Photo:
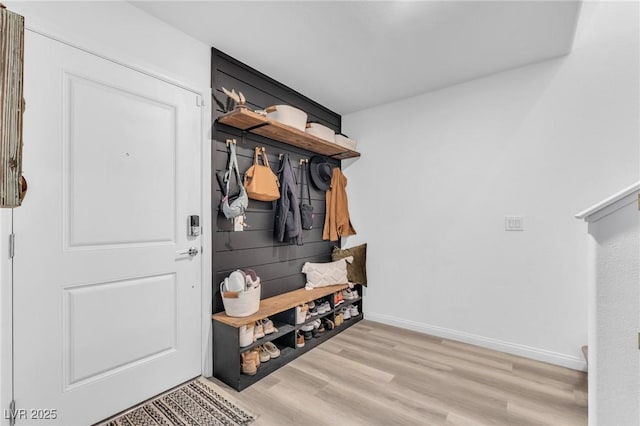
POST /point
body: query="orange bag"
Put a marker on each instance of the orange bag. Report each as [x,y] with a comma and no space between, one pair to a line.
[260,181]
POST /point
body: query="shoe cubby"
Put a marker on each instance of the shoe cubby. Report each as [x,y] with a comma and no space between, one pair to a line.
[281,310]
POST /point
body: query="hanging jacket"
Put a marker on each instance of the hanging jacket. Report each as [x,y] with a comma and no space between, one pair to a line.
[336,221]
[288,226]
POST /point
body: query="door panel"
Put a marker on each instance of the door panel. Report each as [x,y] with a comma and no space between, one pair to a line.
[90,326]
[107,312]
[105,153]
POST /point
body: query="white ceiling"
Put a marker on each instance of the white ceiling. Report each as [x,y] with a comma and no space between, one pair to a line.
[351,56]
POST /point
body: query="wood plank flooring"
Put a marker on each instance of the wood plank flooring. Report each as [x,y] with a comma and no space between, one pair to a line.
[374,374]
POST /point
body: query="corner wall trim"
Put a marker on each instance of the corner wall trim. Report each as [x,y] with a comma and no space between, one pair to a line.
[556,358]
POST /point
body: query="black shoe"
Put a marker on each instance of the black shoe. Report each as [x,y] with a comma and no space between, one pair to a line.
[308,335]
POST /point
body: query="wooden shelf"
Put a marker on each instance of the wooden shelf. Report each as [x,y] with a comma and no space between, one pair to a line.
[247,120]
[277,304]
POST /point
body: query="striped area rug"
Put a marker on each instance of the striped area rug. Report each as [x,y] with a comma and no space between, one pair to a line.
[193,404]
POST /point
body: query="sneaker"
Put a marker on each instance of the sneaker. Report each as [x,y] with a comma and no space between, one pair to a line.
[299,340]
[313,311]
[307,327]
[315,333]
[264,354]
[258,330]
[348,294]
[346,313]
[327,307]
[308,335]
[340,298]
[268,327]
[354,311]
[321,329]
[271,349]
[320,308]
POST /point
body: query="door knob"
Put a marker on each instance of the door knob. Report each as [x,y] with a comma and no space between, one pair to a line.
[191,251]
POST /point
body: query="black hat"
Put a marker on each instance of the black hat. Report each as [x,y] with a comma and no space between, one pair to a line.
[321,172]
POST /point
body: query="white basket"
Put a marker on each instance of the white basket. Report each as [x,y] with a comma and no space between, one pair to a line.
[247,303]
[345,142]
[286,114]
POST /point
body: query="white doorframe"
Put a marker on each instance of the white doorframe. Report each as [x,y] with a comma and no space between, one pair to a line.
[6,313]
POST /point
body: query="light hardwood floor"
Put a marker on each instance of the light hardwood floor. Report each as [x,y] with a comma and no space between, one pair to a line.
[374,374]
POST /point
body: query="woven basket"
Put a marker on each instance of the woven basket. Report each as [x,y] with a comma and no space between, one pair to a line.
[241,303]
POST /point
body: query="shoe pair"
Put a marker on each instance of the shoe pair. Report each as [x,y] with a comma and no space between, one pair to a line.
[346,313]
[268,351]
[353,310]
[250,362]
[263,327]
[302,312]
[313,309]
[349,294]
[338,299]
[308,326]
[328,324]
[323,308]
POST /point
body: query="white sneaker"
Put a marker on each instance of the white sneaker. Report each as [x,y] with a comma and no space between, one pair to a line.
[349,294]
[346,313]
[354,311]
[324,308]
[307,327]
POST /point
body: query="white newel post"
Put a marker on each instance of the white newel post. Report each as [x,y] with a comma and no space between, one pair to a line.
[614,311]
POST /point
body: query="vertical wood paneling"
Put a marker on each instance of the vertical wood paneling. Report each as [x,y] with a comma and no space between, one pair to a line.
[277,264]
[11,106]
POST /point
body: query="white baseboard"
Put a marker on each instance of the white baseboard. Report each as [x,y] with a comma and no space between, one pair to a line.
[556,358]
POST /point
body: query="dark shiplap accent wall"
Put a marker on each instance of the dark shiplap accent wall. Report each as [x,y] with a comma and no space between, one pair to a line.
[277,264]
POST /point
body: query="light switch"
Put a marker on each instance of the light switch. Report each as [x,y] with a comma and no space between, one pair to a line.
[514,223]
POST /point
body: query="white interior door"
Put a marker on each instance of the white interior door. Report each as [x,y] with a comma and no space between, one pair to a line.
[107,311]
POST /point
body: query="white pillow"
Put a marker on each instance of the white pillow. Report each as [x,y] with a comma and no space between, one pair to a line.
[324,274]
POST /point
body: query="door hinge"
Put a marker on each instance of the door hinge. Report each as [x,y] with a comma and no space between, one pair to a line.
[12,413]
[638,200]
[199,101]
[12,245]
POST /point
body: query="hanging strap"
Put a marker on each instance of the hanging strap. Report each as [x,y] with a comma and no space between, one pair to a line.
[260,151]
[233,166]
[303,175]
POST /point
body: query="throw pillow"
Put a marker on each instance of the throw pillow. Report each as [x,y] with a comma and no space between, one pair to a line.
[357,270]
[325,274]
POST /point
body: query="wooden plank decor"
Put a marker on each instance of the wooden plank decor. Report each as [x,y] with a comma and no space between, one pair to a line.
[11,106]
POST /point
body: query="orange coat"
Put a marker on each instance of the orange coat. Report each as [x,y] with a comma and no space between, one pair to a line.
[336,221]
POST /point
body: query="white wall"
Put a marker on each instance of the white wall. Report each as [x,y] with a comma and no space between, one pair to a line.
[614,359]
[122,32]
[440,171]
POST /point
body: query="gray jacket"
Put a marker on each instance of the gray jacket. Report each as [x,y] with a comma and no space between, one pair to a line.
[288,226]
